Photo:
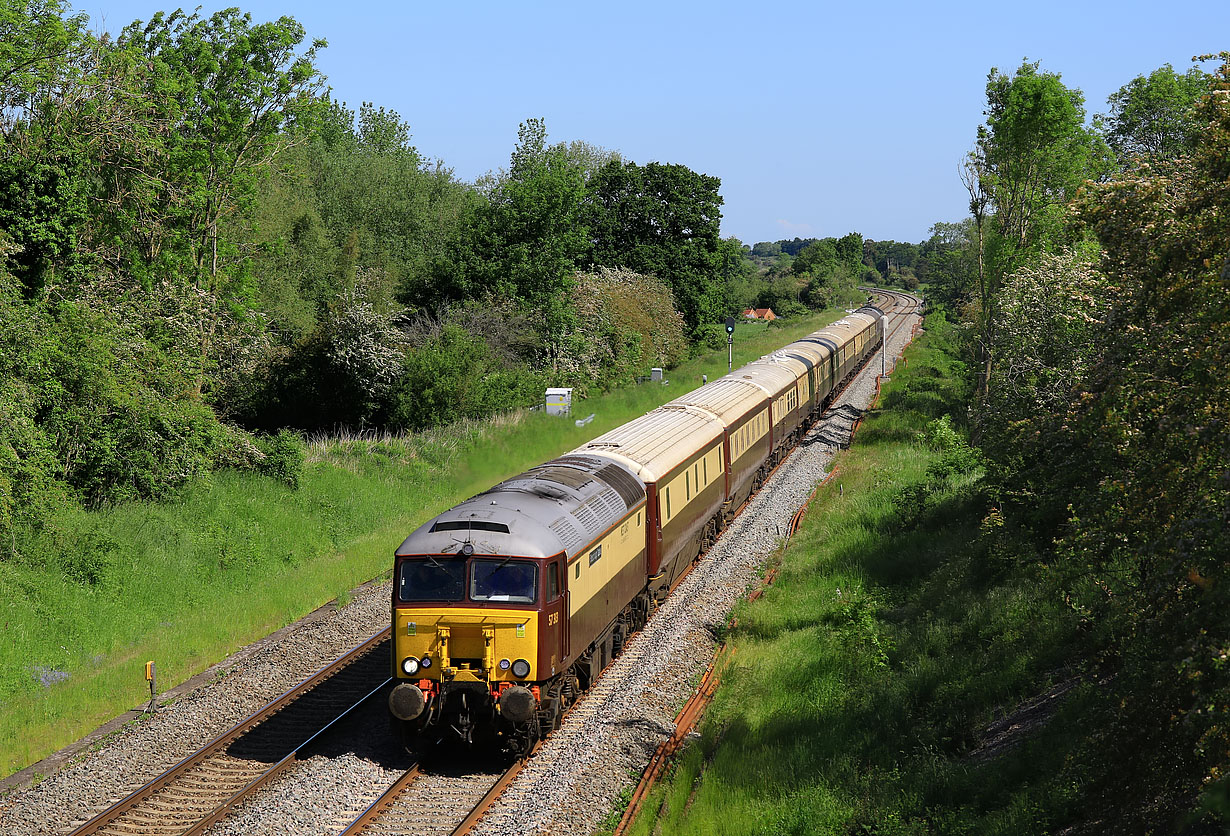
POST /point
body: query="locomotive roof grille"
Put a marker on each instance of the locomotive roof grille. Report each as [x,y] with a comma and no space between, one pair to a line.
[568,534]
[569,476]
[469,525]
[626,485]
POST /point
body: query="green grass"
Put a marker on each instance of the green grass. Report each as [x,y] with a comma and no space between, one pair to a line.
[862,681]
[237,556]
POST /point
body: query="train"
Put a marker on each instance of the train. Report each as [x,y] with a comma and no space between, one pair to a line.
[506,607]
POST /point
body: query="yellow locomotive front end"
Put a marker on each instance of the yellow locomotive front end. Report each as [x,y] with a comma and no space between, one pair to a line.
[466,648]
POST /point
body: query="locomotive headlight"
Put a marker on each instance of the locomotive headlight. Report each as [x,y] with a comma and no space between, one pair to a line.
[521,669]
[426,661]
[410,666]
[505,664]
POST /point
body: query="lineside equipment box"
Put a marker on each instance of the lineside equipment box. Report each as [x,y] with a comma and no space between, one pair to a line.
[559,401]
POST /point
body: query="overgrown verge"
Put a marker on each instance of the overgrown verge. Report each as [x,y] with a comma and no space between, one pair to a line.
[906,673]
[231,557]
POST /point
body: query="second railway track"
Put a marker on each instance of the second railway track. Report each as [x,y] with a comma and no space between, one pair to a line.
[198,791]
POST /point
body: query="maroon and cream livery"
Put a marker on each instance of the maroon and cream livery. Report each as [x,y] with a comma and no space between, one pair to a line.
[509,605]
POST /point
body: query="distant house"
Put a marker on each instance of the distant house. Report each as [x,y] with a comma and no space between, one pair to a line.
[749,314]
[760,313]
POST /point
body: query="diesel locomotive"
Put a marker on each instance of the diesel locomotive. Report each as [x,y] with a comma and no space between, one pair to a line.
[508,606]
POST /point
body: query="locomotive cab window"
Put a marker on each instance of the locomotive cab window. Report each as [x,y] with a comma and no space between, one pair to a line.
[432,579]
[552,581]
[503,580]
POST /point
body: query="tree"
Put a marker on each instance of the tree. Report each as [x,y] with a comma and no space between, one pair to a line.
[39,43]
[661,220]
[1152,116]
[818,257]
[1029,159]
[44,57]
[219,91]
[1033,151]
[529,238]
[1114,426]
[951,254]
[1048,338]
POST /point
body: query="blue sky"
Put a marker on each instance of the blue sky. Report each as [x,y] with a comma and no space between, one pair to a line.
[819,118]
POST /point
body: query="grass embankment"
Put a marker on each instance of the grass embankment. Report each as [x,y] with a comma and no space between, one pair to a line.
[238,556]
[863,682]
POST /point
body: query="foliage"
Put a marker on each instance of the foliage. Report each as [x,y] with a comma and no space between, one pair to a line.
[29,477]
[531,234]
[627,323]
[1152,116]
[1029,159]
[663,221]
[1049,318]
[284,454]
[362,344]
[895,262]
[833,268]
[1034,151]
[1144,554]
[952,259]
[1108,434]
[37,40]
[456,376]
[217,92]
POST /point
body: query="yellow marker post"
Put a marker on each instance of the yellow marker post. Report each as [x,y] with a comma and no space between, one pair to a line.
[151,678]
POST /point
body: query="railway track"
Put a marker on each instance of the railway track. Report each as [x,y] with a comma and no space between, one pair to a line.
[204,787]
[442,800]
[432,802]
[898,305]
[437,801]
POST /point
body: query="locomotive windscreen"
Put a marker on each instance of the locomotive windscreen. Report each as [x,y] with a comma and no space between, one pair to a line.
[503,580]
[432,579]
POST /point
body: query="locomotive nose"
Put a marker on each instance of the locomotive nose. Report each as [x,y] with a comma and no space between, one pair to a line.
[406,701]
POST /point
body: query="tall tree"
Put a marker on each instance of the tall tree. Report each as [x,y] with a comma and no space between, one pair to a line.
[1034,149]
[1125,474]
[39,41]
[1153,116]
[1030,157]
[219,90]
[661,220]
[46,57]
[529,238]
